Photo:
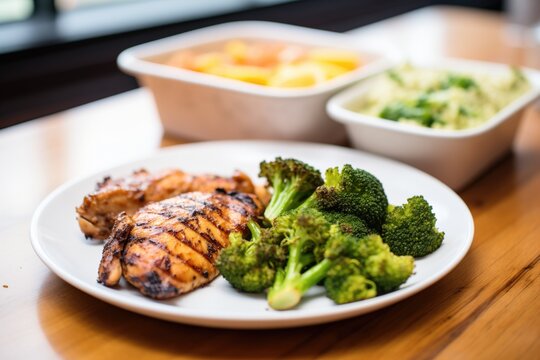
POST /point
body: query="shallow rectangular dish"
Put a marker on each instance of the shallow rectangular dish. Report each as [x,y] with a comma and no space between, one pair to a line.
[201,106]
[454,156]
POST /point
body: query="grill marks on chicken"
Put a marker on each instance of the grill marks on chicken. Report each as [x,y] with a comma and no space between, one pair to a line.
[97,214]
[170,247]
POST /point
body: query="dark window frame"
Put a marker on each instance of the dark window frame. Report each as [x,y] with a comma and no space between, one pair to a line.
[47,26]
[44,8]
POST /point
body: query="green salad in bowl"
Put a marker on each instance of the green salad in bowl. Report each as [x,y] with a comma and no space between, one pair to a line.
[440,99]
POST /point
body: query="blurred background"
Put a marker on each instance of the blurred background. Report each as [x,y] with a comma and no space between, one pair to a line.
[57,54]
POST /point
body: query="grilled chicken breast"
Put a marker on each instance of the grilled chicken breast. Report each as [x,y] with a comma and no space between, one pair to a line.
[170,247]
[98,211]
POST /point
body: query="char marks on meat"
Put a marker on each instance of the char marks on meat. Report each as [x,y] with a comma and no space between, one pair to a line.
[170,247]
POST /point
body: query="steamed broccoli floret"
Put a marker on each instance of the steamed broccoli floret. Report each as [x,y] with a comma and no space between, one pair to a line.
[459,81]
[345,224]
[400,110]
[352,191]
[346,282]
[389,271]
[303,232]
[379,264]
[386,269]
[348,223]
[410,229]
[250,265]
[292,181]
[360,268]
[357,266]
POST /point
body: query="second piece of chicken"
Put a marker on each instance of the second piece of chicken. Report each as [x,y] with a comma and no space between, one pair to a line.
[98,211]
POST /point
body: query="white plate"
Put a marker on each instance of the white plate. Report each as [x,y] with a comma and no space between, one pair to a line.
[58,241]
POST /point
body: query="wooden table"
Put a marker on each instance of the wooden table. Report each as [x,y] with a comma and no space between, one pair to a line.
[486,308]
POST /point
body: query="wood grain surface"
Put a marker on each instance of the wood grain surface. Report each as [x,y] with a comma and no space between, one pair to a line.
[487,308]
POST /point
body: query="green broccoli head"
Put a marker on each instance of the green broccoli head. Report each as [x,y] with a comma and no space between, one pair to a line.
[292,181]
[323,234]
[410,229]
[388,271]
[339,244]
[367,246]
[353,191]
[345,233]
[348,223]
[250,265]
[307,228]
[346,282]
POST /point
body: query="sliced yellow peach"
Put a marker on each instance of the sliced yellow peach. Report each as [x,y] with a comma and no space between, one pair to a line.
[330,70]
[347,59]
[209,60]
[301,75]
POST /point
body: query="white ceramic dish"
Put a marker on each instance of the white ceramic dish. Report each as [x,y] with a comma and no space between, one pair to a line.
[58,241]
[207,107]
[455,157]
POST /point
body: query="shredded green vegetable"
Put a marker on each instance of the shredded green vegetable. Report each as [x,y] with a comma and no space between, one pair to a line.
[440,99]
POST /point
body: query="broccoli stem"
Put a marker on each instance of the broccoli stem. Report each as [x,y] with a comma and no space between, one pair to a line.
[255,230]
[291,285]
[284,198]
[315,274]
[310,202]
[272,206]
[284,298]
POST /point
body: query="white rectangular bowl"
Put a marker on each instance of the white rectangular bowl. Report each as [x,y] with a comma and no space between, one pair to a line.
[206,107]
[454,157]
